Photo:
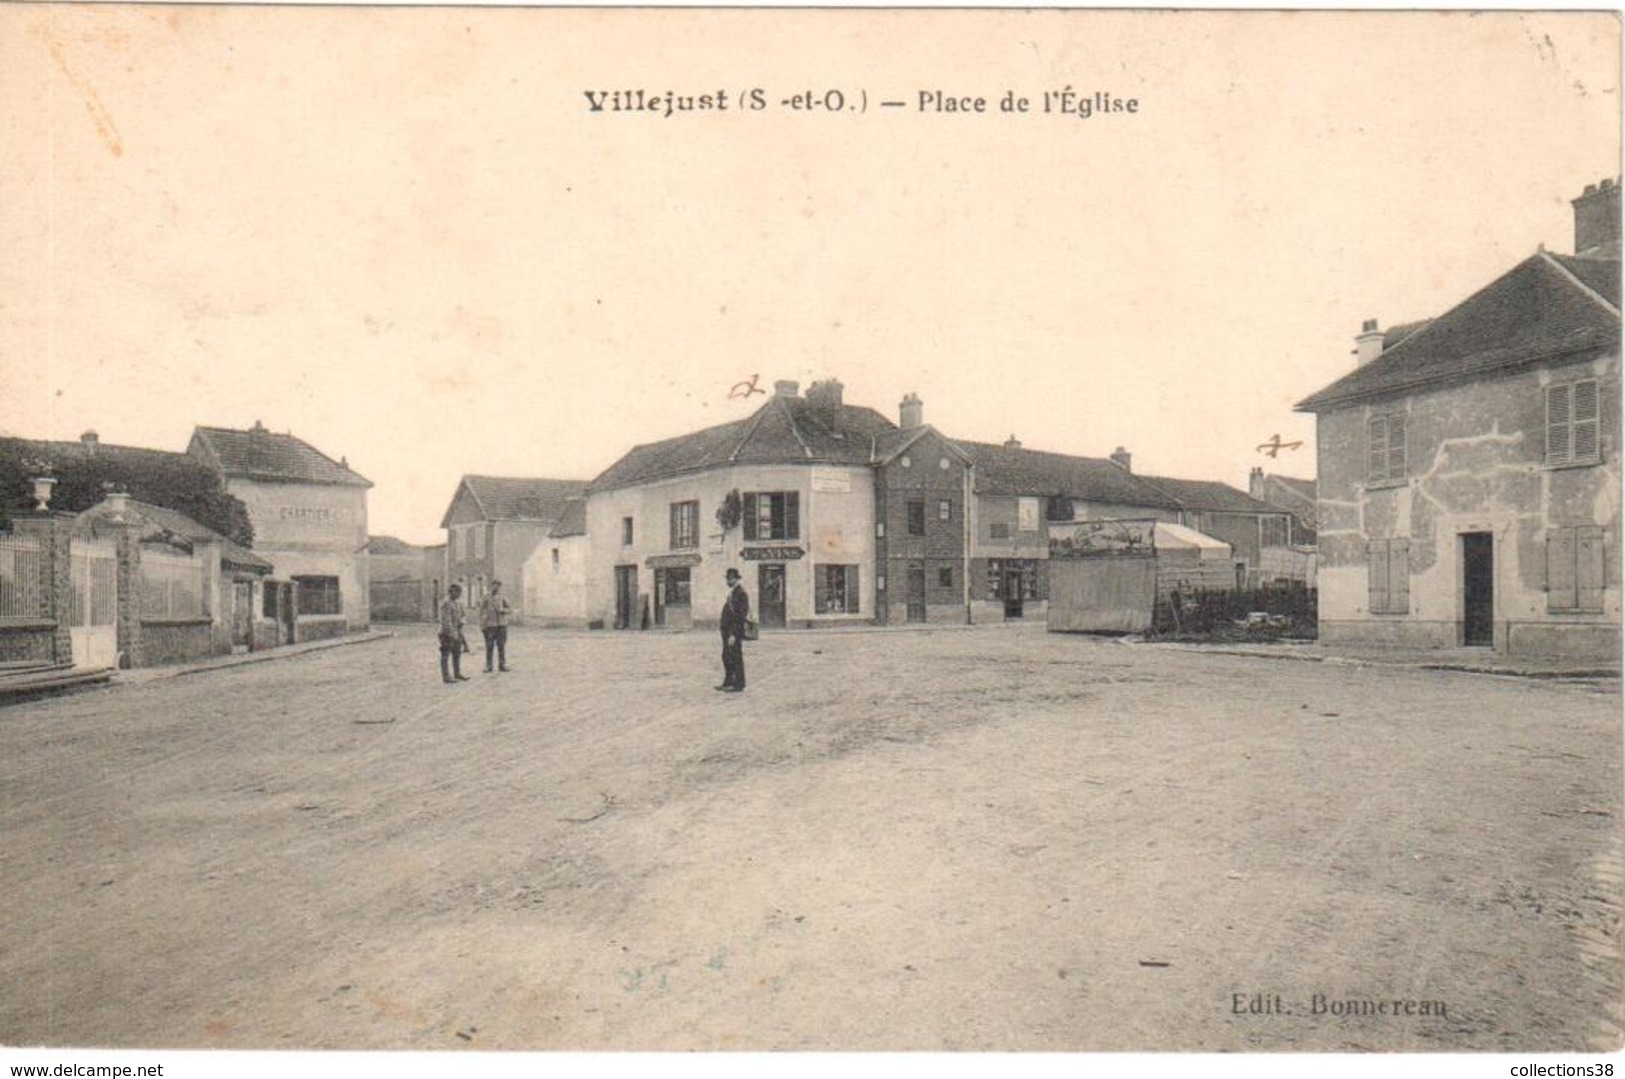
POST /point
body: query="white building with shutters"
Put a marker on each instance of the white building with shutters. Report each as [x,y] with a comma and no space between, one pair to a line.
[1469,467]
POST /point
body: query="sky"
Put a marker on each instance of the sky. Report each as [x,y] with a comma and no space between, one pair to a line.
[403,235]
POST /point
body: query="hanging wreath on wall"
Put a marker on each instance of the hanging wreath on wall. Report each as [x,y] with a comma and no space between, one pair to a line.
[731,512]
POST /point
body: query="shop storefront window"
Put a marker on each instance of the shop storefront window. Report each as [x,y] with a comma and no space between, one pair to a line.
[675,587]
[319,595]
[836,589]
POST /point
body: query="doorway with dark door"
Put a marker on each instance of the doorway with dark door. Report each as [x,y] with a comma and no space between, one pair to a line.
[242,616]
[1014,592]
[770,595]
[916,594]
[626,595]
[1478,589]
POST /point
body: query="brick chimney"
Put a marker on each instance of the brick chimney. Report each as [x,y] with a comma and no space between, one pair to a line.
[1596,220]
[1012,443]
[786,387]
[90,440]
[1255,483]
[910,412]
[825,399]
[1123,459]
[1367,343]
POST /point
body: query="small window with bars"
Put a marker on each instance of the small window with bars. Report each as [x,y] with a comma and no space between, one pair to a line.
[1572,420]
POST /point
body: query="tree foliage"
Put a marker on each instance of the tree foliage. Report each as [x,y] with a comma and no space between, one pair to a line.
[171,480]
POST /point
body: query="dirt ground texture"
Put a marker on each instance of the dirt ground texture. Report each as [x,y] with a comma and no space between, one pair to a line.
[975,839]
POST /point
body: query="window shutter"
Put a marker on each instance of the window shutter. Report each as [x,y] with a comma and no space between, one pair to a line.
[1377,446]
[1588,568]
[1584,420]
[1558,425]
[1399,576]
[750,516]
[676,528]
[854,594]
[1376,557]
[1396,447]
[792,515]
[1561,592]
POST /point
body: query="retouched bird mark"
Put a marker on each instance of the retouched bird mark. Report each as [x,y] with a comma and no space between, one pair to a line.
[746,388]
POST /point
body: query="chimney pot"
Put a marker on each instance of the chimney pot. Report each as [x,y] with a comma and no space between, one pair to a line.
[1123,459]
[1367,343]
[910,411]
[1596,219]
[1012,443]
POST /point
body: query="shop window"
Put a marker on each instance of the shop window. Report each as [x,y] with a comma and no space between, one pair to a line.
[1575,569]
[626,531]
[998,530]
[836,589]
[1385,448]
[1388,576]
[945,576]
[1572,419]
[318,595]
[773,515]
[685,525]
[916,517]
[676,589]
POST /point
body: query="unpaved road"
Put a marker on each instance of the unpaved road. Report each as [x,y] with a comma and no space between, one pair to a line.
[973,839]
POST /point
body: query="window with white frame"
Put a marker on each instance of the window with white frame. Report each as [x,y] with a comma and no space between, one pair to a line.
[685,525]
[1572,420]
[1027,514]
[772,515]
[1385,448]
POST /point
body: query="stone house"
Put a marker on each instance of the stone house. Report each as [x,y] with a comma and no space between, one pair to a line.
[1469,467]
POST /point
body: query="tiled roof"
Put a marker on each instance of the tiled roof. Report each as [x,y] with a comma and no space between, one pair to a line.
[1210,496]
[159,523]
[572,520]
[785,430]
[1012,470]
[1535,311]
[518,498]
[259,454]
[389,545]
[1306,488]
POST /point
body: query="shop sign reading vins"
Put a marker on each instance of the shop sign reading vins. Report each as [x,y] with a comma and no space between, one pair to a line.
[771,554]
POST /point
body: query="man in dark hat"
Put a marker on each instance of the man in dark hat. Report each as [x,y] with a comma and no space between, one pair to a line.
[735,613]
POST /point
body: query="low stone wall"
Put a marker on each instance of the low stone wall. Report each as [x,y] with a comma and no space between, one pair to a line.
[320,629]
[30,642]
[176,642]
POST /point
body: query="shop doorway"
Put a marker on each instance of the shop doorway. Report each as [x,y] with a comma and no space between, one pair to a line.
[770,595]
[916,594]
[1478,589]
[626,595]
[1013,606]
